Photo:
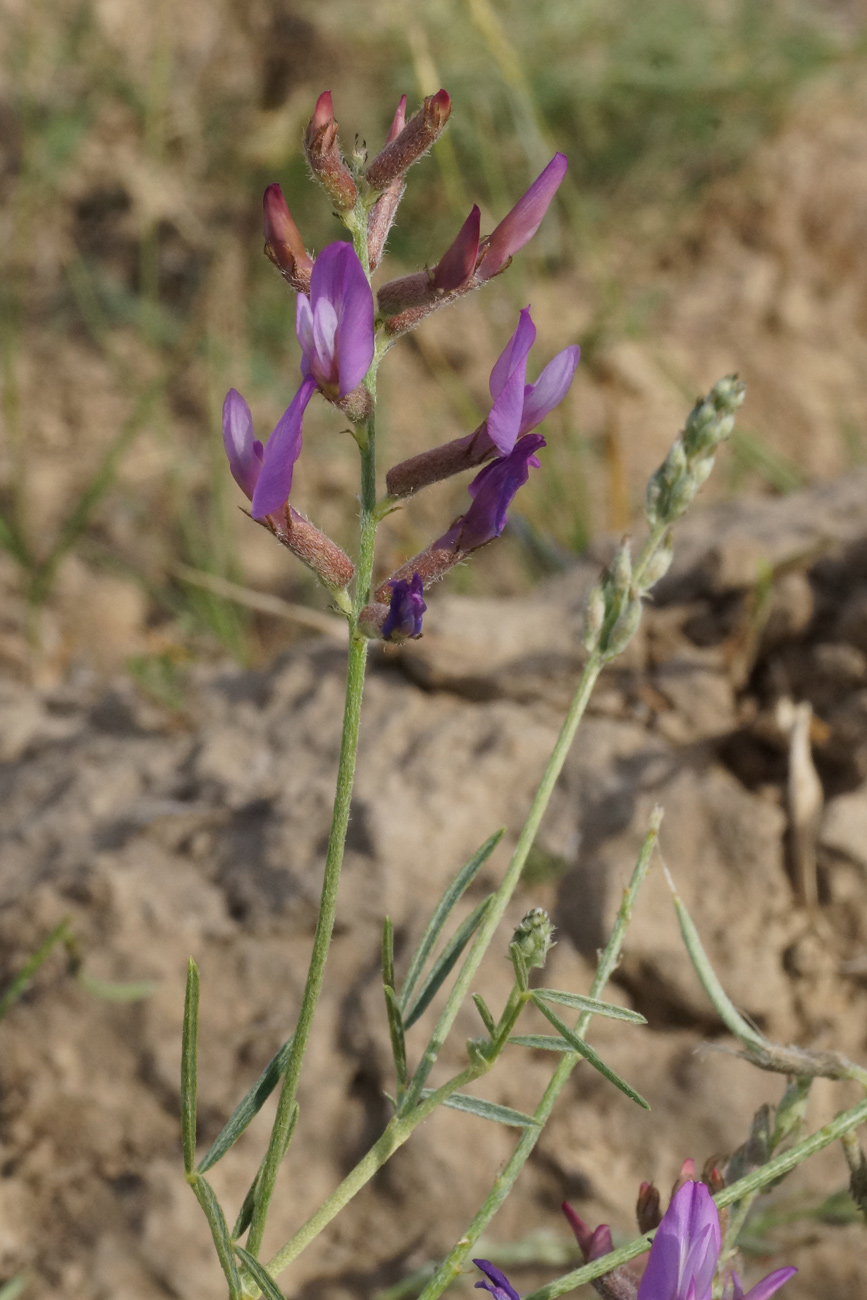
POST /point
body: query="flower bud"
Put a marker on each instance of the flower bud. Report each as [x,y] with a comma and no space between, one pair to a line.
[283,243]
[620,572]
[332,566]
[323,156]
[594,617]
[701,470]
[728,394]
[420,132]
[647,1210]
[624,628]
[534,937]
[659,564]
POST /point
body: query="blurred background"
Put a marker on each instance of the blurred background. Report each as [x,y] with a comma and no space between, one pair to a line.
[712,220]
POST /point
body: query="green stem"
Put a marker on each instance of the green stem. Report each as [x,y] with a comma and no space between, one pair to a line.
[507,1177]
[501,899]
[774,1169]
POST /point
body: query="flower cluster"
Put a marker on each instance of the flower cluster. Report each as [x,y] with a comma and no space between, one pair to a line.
[337,327]
[683,1259]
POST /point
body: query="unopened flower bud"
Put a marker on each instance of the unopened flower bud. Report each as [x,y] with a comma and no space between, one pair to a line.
[323,156]
[625,626]
[728,394]
[477,1051]
[420,132]
[594,617]
[647,1208]
[659,565]
[701,470]
[283,243]
[620,572]
[534,937]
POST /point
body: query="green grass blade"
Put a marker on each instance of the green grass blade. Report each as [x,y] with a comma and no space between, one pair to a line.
[248,1107]
[486,1110]
[578,1045]
[581,1002]
[12,542]
[219,1231]
[117,990]
[443,909]
[260,1275]
[189,1066]
[442,967]
[20,981]
[12,1289]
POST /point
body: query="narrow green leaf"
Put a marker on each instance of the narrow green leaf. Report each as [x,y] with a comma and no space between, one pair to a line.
[581,1002]
[722,1004]
[395,1029]
[446,960]
[117,990]
[388,952]
[578,1045]
[487,1019]
[245,1214]
[517,959]
[441,914]
[189,1066]
[543,1042]
[20,981]
[248,1107]
[260,1275]
[486,1109]
[219,1231]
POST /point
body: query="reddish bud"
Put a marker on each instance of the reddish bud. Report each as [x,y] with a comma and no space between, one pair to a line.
[456,266]
[412,142]
[382,214]
[399,121]
[323,156]
[439,463]
[425,291]
[283,243]
[647,1210]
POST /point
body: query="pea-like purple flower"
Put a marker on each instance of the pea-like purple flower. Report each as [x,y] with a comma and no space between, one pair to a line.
[498,1284]
[335,326]
[405,612]
[493,492]
[520,225]
[335,330]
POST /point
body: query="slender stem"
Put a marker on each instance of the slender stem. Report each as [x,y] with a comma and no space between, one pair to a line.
[396,1133]
[506,1178]
[774,1169]
[501,899]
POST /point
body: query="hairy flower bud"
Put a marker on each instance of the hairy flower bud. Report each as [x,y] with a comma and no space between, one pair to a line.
[332,566]
[659,564]
[534,937]
[324,158]
[420,132]
[647,1208]
[283,243]
[625,626]
[594,617]
[620,572]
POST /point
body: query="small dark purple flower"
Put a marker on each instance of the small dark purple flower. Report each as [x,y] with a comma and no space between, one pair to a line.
[335,327]
[520,225]
[762,1290]
[493,491]
[264,476]
[406,610]
[498,1284]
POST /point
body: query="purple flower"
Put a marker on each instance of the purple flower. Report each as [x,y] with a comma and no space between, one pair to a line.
[493,492]
[520,225]
[335,327]
[685,1251]
[498,1284]
[518,406]
[405,612]
[264,476]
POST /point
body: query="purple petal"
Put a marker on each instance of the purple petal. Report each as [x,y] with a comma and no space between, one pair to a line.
[459,260]
[685,1249]
[493,492]
[516,350]
[508,380]
[498,1284]
[343,356]
[405,612]
[283,449]
[243,450]
[304,326]
[520,225]
[550,388]
[770,1284]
